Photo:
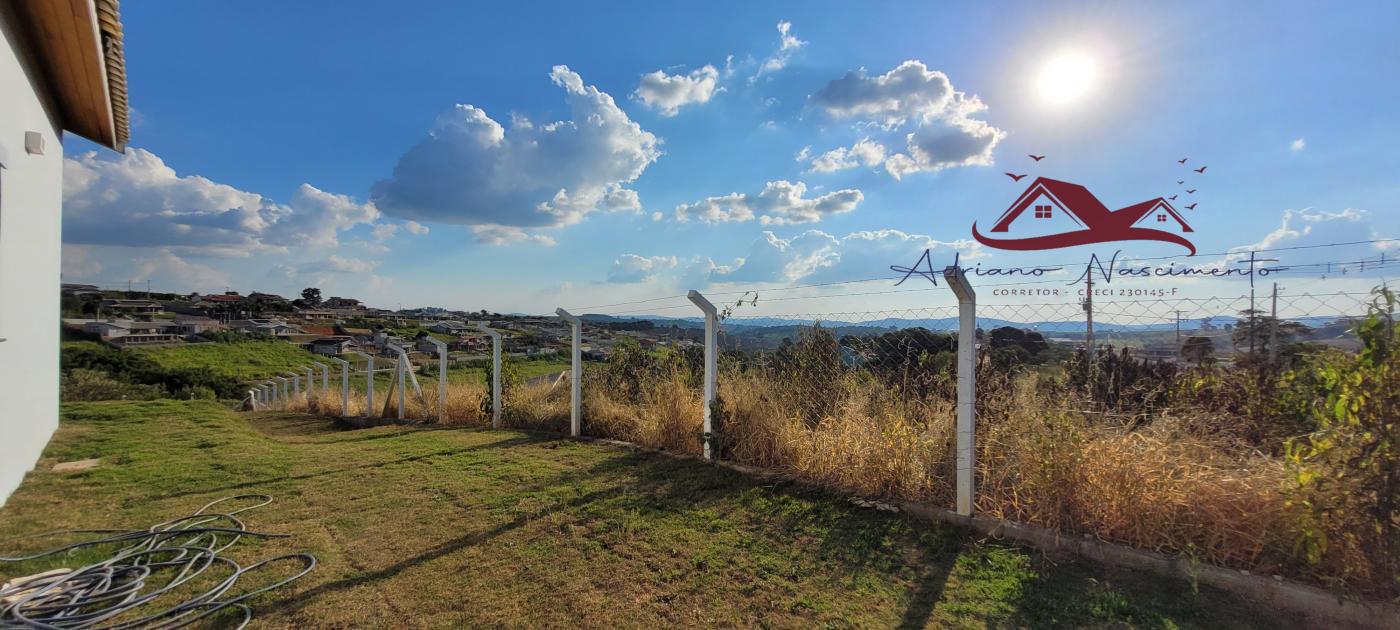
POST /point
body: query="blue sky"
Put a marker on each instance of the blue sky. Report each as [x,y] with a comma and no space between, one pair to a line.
[416,155]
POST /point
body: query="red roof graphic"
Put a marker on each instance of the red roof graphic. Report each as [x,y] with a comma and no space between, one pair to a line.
[1100,225]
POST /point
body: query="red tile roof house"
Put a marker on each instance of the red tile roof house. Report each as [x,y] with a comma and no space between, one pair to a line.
[61,70]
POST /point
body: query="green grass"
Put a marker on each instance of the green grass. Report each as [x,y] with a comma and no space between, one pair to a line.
[244,360]
[473,528]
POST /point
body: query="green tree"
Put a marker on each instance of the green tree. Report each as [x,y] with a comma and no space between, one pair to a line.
[1258,327]
[311,295]
[1198,350]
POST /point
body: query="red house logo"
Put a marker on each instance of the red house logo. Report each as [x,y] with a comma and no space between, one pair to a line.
[1062,214]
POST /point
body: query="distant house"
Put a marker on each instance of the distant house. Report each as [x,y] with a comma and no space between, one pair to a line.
[216,299]
[129,333]
[316,313]
[132,306]
[332,346]
[340,303]
[425,344]
[193,325]
[80,290]
[467,344]
[275,327]
[449,327]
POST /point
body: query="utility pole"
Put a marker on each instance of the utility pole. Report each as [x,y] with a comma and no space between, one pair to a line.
[1251,322]
[1178,330]
[1273,326]
[1089,313]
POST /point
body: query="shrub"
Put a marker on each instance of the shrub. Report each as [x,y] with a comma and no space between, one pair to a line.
[1347,473]
[81,385]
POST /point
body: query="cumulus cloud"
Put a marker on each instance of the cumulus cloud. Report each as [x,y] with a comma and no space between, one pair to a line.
[166,269]
[506,235]
[415,227]
[339,264]
[137,200]
[942,132]
[1308,227]
[1297,145]
[670,92]
[816,256]
[865,152]
[788,45]
[470,170]
[779,203]
[79,263]
[630,268]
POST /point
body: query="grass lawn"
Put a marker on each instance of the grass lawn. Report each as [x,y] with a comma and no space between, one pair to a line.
[466,527]
[243,360]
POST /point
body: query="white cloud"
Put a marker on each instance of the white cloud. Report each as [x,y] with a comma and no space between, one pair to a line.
[788,45]
[166,269]
[1297,145]
[415,227]
[507,235]
[630,268]
[943,133]
[780,203]
[339,264]
[384,231]
[816,256]
[804,154]
[670,92]
[137,200]
[1308,227]
[865,152]
[79,263]
[469,170]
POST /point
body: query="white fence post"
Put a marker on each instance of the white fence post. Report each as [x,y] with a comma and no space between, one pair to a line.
[442,377]
[967,388]
[325,377]
[711,350]
[296,383]
[400,365]
[286,394]
[369,385]
[575,373]
[344,385]
[495,374]
[310,381]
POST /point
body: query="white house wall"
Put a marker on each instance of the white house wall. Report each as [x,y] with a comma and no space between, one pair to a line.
[31,200]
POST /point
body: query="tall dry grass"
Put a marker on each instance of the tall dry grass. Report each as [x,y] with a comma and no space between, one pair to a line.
[1177,484]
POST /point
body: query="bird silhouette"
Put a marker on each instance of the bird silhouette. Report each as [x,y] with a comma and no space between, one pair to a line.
[1180,181]
[1036,157]
[1173,197]
[1191,207]
[1182,160]
[1015,176]
[1191,191]
[1200,170]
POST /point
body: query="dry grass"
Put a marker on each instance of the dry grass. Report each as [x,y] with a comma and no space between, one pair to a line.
[1172,485]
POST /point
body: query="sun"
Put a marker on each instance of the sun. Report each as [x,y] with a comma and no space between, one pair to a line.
[1067,78]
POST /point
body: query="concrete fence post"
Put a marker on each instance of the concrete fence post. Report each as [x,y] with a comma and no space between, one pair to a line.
[325,377]
[286,394]
[442,377]
[310,381]
[967,388]
[575,372]
[344,385]
[369,384]
[400,365]
[711,352]
[495,374]
[252,400]
[296,383]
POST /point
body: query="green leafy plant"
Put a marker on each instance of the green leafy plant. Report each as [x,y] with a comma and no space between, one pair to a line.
[1347,472]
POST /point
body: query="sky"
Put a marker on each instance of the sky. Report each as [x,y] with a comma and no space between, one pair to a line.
[521,158]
